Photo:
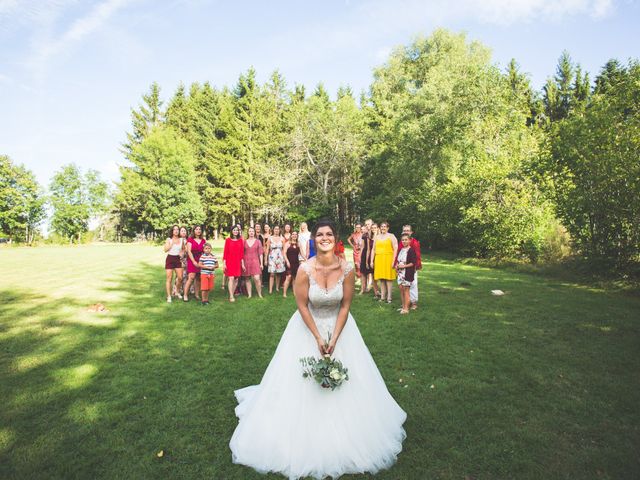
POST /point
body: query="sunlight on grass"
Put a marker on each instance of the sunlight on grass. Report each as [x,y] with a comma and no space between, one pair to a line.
[494,387]
[28,362]
[85,412]
[76,377]
[6,438]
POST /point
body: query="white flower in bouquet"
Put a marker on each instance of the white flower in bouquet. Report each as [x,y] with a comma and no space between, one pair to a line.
[327,371]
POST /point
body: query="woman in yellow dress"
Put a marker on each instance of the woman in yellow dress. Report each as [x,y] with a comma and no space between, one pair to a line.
[382,256]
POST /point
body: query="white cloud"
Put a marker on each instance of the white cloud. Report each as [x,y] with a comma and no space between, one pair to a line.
[17,13]
[372,21]
[46,46]
[501,12]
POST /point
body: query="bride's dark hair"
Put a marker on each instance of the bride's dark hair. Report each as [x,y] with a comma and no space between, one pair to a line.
[325,222]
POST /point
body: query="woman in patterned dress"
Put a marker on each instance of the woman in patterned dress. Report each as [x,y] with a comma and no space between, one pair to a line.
[277,265]
[253,254]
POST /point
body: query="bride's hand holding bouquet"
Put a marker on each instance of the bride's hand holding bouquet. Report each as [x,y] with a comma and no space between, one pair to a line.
[322,345]
[330,347]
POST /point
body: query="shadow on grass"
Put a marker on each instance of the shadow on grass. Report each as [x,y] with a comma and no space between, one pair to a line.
[539,383]
[99,394]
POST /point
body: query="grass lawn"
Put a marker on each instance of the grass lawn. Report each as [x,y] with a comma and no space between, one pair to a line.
[541,383]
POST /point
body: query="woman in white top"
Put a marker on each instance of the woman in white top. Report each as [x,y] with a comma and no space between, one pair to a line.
[174,247]
[303,241]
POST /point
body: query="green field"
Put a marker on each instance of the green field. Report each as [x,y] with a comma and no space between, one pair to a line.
[541,383]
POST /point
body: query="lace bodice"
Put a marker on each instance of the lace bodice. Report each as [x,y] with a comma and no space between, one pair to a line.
[325,303]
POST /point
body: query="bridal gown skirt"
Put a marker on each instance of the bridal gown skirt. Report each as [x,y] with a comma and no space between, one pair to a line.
[289,424]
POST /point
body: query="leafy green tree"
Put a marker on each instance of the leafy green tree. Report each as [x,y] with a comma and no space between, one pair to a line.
[581,89]
[148,115]
[452,146]
[21,201]
[158,189]
[612,72]
[328,147]
[595,169]
[75,199]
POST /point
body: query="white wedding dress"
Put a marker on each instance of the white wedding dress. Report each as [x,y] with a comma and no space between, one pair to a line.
[289,424]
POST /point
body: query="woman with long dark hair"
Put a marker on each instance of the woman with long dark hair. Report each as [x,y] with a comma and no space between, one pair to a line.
[359,426]
[277,265]
[177,292]
[287,232]
[233,259]
[253,254]
[173,264]
[366,244]
[373,232]
[195,246]
[355,240]
[266,233]
[292,259]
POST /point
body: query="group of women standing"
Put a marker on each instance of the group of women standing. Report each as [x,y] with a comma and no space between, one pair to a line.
[380,260]
[272,256]
[374,251]
[183,256]
[265,255]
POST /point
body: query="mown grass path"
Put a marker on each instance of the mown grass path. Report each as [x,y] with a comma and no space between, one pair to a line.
[543,382]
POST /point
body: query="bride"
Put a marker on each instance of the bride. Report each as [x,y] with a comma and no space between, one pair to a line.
[289,424]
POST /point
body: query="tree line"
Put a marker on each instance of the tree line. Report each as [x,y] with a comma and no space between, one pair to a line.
[472,156]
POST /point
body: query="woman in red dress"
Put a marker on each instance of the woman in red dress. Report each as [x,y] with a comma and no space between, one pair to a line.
[233,259]
[195,246]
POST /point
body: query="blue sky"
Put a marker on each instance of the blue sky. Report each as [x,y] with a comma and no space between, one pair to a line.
[71,70]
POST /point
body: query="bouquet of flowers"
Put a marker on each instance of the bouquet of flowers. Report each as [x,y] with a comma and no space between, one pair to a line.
[327,371]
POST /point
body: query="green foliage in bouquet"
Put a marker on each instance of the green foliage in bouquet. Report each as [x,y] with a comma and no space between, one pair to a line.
[327,371]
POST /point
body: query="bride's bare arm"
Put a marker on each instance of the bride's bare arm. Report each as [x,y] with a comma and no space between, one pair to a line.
[348,286]
[301,292]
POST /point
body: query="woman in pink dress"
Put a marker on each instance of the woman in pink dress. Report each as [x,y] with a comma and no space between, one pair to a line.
[253,253]
[195,246]
[355,240]
[233,259]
